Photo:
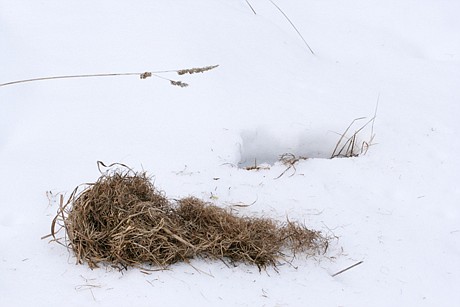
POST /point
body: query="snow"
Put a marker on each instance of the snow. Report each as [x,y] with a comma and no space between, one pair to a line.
[394,208]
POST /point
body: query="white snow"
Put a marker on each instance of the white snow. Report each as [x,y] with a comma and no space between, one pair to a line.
[395,208]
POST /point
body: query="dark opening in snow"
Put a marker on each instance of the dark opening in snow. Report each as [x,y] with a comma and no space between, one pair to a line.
[261,147]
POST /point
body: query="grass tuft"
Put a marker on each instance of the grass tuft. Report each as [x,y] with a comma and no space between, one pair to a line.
[348,147]
[122,220]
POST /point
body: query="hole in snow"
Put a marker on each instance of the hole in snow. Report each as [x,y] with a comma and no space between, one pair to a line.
[262,146]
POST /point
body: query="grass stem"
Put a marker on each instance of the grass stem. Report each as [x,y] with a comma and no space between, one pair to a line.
[292,24]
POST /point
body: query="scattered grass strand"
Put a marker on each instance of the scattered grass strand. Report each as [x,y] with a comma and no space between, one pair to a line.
[249,4]
[292,24]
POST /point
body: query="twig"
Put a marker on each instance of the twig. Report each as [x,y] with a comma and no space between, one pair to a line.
[292,24]
[346,269]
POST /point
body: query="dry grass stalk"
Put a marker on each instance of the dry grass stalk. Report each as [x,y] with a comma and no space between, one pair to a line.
[290,160]
[142,75]
[256,166]
[249,4]
[124,221]
[348,147]
[293,26]
[348,268]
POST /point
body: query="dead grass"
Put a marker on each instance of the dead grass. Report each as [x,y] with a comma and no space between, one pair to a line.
[257,167]
[141,75]
[124,221]
[290,160]
[348,147]
[288,19]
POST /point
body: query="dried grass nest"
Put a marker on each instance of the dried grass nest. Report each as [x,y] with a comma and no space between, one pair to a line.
[124,221]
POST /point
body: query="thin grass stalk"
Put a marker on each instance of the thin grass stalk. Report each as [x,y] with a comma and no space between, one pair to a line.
[142,75]
[292,24]
[335,152]
[251,7]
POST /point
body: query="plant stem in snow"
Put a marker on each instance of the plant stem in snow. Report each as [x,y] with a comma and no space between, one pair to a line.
[346,269]
[292,24]
[251,7]
[142,75]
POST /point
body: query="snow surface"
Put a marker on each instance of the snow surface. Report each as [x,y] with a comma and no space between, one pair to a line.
[395,208]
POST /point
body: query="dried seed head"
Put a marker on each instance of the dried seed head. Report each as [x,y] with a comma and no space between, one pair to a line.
[179,83]
[145,75]
[196,70]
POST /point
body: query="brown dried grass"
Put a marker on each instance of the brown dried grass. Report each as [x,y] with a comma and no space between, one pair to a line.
[123,220]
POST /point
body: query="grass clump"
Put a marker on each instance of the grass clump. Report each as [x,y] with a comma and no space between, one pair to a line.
[124,221]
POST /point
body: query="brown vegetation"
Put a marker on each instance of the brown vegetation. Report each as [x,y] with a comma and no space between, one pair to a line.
[123,220]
